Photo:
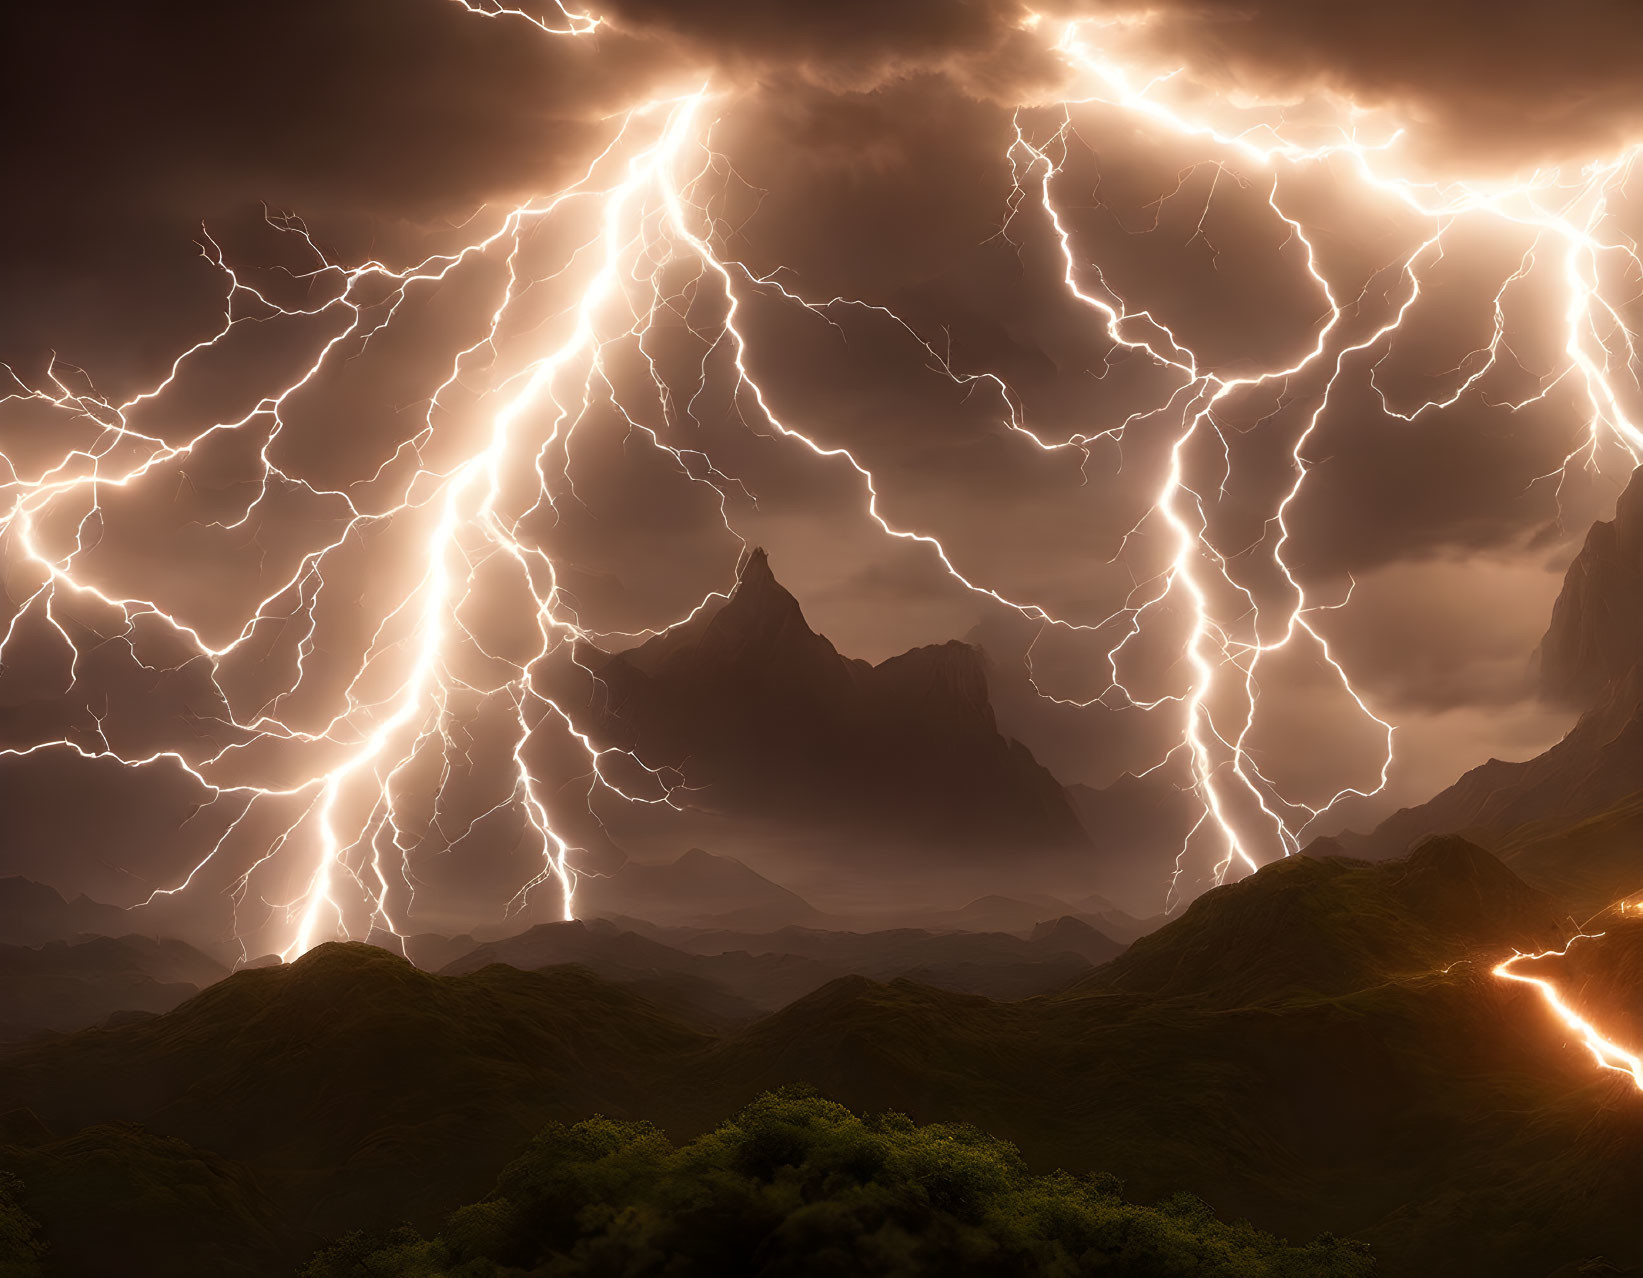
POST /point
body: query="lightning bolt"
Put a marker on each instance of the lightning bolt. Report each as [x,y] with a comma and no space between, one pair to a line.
[1606,1052]
[472,505]
[1572,213]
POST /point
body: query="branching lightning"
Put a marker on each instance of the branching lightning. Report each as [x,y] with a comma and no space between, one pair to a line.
[1609,1054]
[656,255]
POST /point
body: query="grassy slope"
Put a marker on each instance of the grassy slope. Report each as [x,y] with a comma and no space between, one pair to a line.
[1586,866]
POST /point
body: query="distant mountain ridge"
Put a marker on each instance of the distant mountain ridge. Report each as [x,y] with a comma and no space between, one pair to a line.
[695,969]
[764,717]
[1139,823]
[68,985]
[697,888]
[1598,764]
[32,914]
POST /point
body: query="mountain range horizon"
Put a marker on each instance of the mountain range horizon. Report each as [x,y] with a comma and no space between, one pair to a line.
[769,729]
[1323,1045]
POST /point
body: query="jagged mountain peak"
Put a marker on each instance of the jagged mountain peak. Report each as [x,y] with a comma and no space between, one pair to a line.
[954,656]
[765,718]
[758,591]
[759,624]
[755,570]
[32,913]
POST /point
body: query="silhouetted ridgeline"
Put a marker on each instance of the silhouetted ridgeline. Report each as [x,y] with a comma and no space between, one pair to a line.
[1373,1081]
[64,985]
[776,723]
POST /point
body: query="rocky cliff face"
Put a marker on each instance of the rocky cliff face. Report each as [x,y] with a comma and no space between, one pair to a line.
[1597,765]
[1596,632]
[1592,654]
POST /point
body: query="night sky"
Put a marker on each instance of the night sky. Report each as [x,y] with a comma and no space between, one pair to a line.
[863,151]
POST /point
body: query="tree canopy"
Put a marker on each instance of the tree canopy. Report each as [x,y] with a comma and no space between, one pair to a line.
[797,1185]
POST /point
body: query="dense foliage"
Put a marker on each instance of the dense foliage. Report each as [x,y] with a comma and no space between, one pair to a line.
[797,1185]
[20,1245]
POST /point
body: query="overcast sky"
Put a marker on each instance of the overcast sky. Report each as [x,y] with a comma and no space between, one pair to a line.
[864,153]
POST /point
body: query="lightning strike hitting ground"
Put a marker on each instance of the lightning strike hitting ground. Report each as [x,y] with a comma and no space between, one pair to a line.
[1607,1053]
[656,253]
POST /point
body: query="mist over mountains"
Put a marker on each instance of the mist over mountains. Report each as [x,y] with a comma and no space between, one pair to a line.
[1592,779]
[847,775]
[32,914]
[1318,1047]
[1321,1047]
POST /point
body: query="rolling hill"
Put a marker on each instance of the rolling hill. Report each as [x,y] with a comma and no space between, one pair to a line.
[1323,926]
[721,973]
[1402,1094]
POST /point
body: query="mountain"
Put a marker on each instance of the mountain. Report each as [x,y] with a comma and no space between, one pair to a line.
[1076,937]
[1310,926]
[1592,653]
[345,1087]
[1427,1106]
[1445,1119]
[764,718]
[1596,632]
[1137,823]
[752,982]
[719,974]
[1586,865]
[1136,818]
[697,888]
[997,913]
[1027,913]
[430,951]
[164,1206]
[32,914]
[1119,924]
[1597,765]
[882,953]
[710,993]
[68,985]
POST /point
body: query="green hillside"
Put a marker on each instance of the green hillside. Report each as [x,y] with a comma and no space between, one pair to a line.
[1347,1064]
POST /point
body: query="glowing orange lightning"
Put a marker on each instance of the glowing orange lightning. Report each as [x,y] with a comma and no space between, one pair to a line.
[1609,1054]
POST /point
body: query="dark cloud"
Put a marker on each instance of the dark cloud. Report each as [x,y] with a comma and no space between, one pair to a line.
[868,143]
[1502,84]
